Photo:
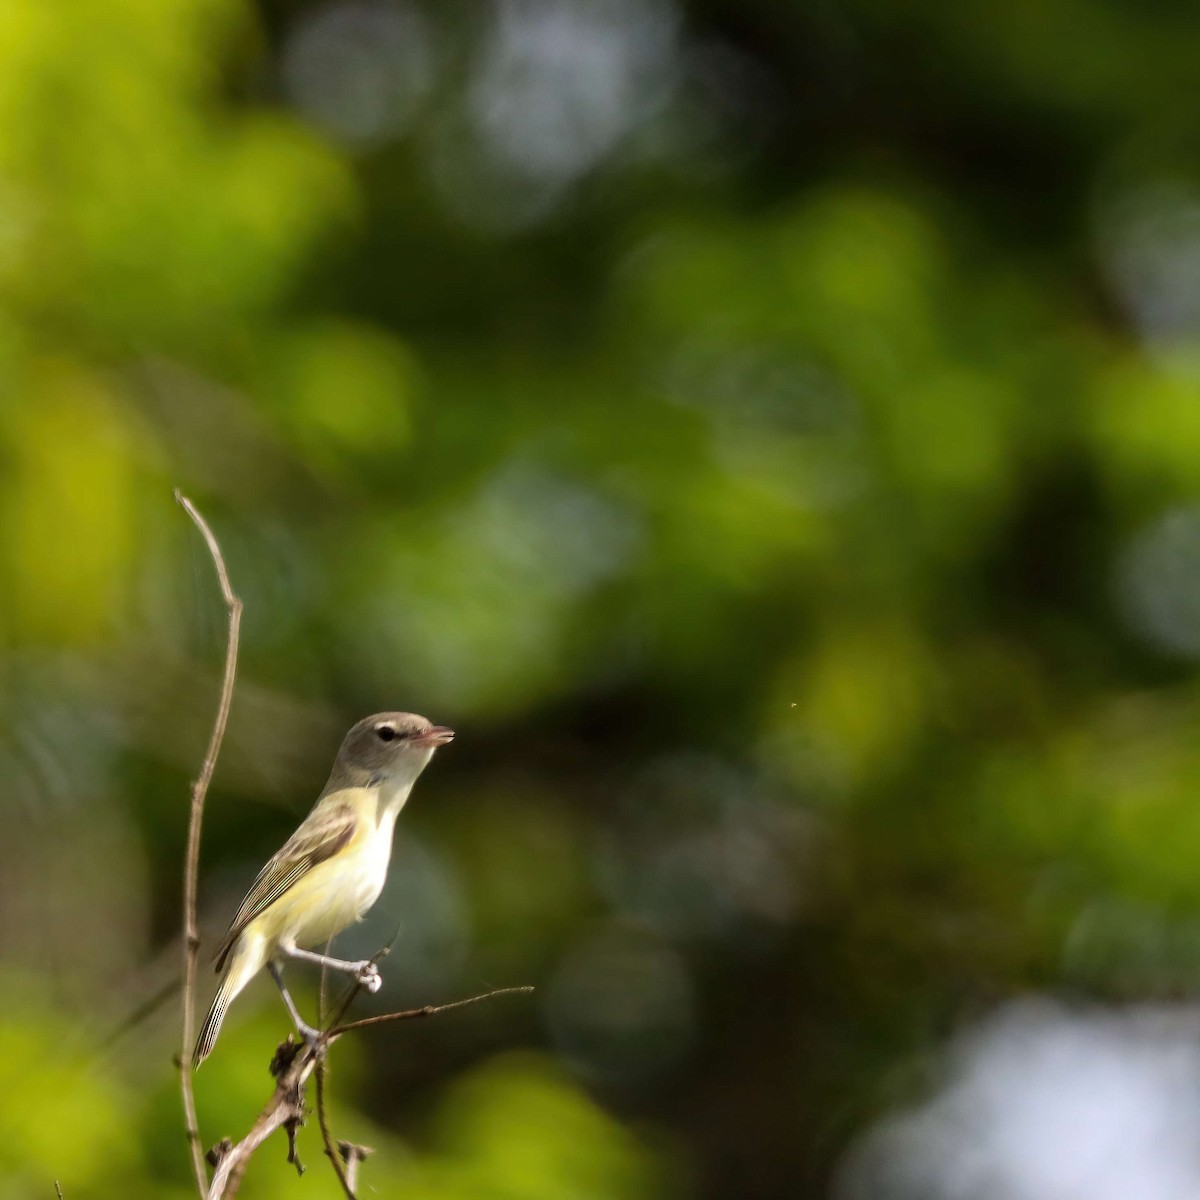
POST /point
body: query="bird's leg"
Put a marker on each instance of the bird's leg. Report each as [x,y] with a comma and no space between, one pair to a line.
[366,972]
[306,1031]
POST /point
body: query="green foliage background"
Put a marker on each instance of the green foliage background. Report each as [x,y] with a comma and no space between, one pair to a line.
[791,504]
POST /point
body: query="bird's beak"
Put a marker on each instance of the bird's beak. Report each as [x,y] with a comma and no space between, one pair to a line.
[435,735]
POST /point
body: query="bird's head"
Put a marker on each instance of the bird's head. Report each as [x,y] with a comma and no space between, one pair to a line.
[391,746]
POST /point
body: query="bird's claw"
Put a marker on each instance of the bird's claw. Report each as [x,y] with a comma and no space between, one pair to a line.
[368,977]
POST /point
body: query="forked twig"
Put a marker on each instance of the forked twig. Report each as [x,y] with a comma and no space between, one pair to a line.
[292,1068]
[346,1156]
[285,1106]
[191,868]
[344,1168]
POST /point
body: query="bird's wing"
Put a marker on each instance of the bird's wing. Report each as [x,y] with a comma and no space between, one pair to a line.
[321,835]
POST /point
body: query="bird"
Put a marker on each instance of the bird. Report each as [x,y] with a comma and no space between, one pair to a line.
[330,871]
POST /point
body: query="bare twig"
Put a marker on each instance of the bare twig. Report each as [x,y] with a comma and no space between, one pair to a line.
[191,935]
[427,1010]
[348,996]
[347,1156]
[58,1190]
[346,1174]
[331,1153]
[285,1106]
[292,1067]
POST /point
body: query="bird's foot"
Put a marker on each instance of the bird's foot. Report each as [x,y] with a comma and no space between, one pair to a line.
[367,976]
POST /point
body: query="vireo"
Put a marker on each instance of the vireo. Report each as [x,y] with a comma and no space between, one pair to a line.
[331,870]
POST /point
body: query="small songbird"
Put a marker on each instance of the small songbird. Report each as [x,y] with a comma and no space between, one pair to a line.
[331,870]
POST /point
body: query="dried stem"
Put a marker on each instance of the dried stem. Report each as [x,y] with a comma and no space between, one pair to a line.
[347,1156]
[191,935]
[339,1169]
[284,1109]
[345,1171]
[292,1068]
[427,1010]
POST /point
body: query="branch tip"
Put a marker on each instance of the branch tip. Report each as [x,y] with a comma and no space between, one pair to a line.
[191,865]
[427,1010]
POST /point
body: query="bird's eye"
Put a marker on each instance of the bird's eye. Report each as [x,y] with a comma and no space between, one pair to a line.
[386,733]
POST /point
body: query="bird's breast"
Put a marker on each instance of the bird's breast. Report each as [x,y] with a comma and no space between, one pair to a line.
[335,893]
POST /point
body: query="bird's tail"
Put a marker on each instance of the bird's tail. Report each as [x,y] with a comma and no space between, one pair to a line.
[243,964]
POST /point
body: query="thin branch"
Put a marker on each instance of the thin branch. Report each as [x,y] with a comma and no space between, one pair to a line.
[427,1010]
[286,1106]
[191,869]
[330,1150]
[346,1156]
[292,1067]
[58,1190]
[348,1173]
[348,997]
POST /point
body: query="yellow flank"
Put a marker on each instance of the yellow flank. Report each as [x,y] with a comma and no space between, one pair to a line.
[337,892]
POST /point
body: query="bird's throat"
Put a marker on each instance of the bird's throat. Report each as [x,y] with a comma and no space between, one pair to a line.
[392,796]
